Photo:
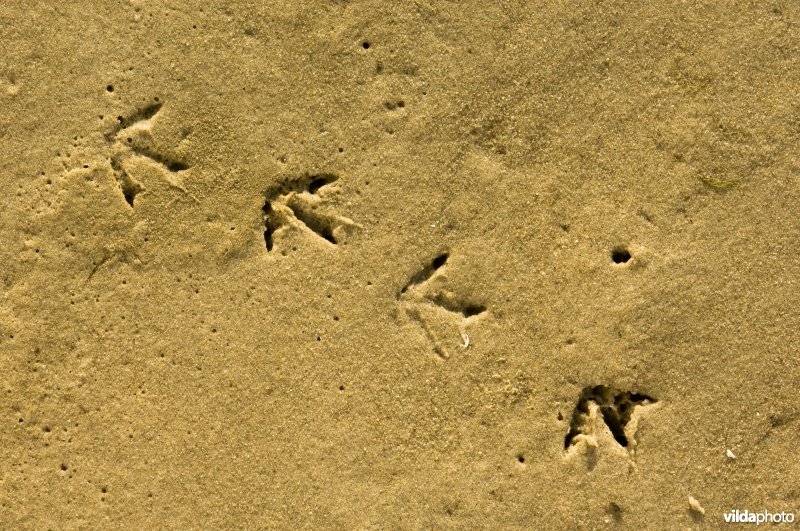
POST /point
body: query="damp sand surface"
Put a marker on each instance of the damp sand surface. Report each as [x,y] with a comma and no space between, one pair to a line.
[398,265]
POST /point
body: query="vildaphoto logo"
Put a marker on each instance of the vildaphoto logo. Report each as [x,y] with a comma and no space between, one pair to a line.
[735,516]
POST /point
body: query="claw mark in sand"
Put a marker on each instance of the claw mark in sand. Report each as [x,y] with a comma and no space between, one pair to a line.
[141,115]
[423,302]
[298,203]
[130,186]
[602,405]
[131,137]
[426,272]
[173,166]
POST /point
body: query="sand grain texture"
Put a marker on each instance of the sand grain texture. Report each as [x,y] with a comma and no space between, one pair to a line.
[398,265]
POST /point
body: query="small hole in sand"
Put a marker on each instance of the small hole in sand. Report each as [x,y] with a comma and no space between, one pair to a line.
[620,255]
[110,88]
[473,309]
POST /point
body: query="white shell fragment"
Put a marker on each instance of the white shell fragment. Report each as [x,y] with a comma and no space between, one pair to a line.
[695,506]
[730,454]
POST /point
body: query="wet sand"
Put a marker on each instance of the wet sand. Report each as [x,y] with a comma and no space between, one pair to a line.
[406,265]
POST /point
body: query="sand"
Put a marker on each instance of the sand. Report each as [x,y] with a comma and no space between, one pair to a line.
[398,265]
